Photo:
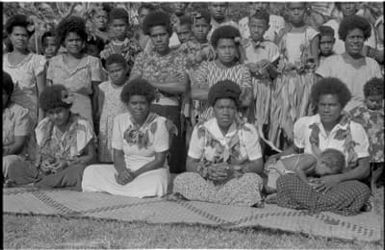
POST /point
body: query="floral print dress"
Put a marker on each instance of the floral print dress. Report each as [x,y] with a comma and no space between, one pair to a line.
[210,146]
[373,123]
[112,106]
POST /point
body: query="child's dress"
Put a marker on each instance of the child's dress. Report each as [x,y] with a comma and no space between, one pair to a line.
[373,123]
[112,106]
[292,87]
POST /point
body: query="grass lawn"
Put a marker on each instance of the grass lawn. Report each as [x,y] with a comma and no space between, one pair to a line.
[58,232]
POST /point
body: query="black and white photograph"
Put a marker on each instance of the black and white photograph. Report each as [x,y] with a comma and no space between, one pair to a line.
[246,125]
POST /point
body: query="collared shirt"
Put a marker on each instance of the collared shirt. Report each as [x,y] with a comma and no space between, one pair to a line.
[264,50]
[276,23]
[303,130]
[208,142]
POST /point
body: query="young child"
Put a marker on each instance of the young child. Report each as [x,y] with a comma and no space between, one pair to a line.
[110,104]
[275,22]
[299,45]
[371,116]
[197,49]
[119,42]
[326,42]
[183,29]
[329,162]
[259,56]
[48,41]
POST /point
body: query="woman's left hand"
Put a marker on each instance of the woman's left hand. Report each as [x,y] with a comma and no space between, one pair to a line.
[59,166]
[327,182]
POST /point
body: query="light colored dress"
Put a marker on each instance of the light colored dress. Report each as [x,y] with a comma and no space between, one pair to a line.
[209,145]
[208,74]
[354,78]
[78,81]
[24,76]
[16,122]
[112,106]
[139,146]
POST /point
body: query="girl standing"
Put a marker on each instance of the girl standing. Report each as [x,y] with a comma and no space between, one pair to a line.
[299,55]
[26,69]
[109,103]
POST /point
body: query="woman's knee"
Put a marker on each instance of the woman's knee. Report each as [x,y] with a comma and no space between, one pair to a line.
[189,177]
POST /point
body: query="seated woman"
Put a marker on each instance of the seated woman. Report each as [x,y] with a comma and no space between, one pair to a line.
[65,145]
[17,126]
[224,157]
[140,140]
[331,128]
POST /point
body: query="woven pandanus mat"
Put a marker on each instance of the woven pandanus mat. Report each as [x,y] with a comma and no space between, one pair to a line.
[365,227]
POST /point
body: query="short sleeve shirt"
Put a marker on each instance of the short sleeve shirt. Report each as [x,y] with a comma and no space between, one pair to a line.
[16,122]
[135,156]
[208,143]
[336,139]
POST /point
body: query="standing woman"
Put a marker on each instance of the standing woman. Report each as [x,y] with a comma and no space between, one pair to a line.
[78,72]
[140,140]
[165,70]
[351,67]
[26,69]
[226,66]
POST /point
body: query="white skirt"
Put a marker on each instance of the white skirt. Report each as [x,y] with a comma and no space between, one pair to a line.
[101,178]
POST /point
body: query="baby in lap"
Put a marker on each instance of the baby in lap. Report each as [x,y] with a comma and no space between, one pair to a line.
[329,162]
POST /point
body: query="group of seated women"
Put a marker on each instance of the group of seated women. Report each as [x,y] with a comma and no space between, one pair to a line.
[225,162]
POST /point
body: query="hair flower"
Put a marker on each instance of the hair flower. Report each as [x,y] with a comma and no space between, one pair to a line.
[66,97]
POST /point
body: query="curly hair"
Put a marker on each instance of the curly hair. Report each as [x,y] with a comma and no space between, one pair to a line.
[224,89]
[52,97]
[116,58]
[118,13]
[7,84]
[374,86]
[72,24]
[157,18]
[261,15]
[185,20]
[334,159]
[17,21]
[140,87]
[224,32]
[326,31]
[146,6]
[330,86]
[49,33]
[354,22]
